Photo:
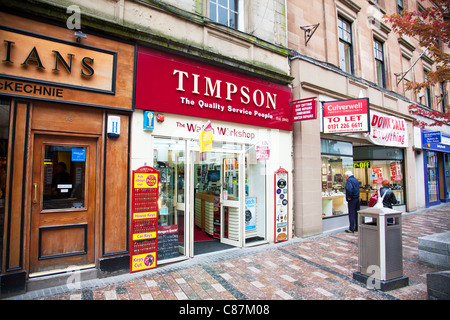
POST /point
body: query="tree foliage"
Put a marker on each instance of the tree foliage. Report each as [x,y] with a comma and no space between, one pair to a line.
[431,28]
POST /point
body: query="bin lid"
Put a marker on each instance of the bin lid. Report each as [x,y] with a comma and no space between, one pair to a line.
[380,211]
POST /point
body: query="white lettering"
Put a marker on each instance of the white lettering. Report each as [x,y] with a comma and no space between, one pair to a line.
[211,89]
[180,78]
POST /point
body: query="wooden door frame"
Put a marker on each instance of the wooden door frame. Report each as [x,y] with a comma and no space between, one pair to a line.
[97,187]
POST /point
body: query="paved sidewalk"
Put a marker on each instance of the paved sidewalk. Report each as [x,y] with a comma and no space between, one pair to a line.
[316,268]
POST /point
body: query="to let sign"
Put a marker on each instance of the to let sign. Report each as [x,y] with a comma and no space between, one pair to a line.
[304,109]
[346,116]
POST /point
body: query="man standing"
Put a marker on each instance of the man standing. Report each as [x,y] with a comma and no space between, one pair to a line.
[352,196]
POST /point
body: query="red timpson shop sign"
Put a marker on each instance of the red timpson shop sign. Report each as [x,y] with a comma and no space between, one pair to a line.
[172,84]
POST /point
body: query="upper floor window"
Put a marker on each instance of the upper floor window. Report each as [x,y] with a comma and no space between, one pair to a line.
[225,12]
[400,6]
[443,95]
[427,91]
[345,45]
[379,63]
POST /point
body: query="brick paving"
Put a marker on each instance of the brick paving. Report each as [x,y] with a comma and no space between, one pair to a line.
[315,268]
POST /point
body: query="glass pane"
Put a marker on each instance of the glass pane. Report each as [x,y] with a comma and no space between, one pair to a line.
[64,177]
[371,173]
[255,197]
[233,20]
[432,176]
[213,11]
[336,147]
[447,173]
[234,5]
[333,184]
[345,56]
[348,57]
[169,158]
[207,177]
[223,15]
[230,178]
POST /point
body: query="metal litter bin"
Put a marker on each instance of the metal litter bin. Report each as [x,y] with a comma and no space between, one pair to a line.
[380,248]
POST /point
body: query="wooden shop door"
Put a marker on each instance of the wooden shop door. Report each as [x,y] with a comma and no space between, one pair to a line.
[63,202]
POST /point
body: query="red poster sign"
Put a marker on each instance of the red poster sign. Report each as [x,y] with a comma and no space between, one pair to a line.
[377,175]
[144,219]
[173,84]
[304,109]
[346,116]
[281,205]
[396,172]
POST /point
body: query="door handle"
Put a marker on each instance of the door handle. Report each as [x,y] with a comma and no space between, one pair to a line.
[35,185]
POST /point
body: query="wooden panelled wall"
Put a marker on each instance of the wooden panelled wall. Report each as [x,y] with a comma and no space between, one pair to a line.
[112,178]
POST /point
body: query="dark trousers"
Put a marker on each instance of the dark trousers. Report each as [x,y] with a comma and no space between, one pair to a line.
[353,207]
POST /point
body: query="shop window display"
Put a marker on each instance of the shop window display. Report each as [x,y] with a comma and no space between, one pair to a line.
[432,176]
[371,173]
[337,158]
[373,164]
[255,199]
[447,175]
[169,160]
[333,184]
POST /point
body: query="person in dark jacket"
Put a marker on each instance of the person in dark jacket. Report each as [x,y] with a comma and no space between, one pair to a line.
[389,196]
[352,196]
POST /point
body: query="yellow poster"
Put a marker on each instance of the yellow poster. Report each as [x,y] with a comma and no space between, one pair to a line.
[143,261]
[144,236]
[144,215]
[206,138]
[146,180]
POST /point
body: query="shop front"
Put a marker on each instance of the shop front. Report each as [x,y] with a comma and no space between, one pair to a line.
[227,196]
[372,156]
[64,160]
[436,159]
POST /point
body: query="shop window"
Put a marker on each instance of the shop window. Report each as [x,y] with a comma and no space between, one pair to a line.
[333,184]
[169,158]
[345,45]
[337,158]
[371,173]
[255,196]
[432,176]
[225,12]
[373,164]
[447,174]
[64,177]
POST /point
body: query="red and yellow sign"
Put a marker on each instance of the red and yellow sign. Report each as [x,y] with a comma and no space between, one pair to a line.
[143,261]
[144,219]
[145,180]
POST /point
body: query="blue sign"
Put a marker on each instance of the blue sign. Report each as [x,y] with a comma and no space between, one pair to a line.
[149,120]
[431,137]
[78,154]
